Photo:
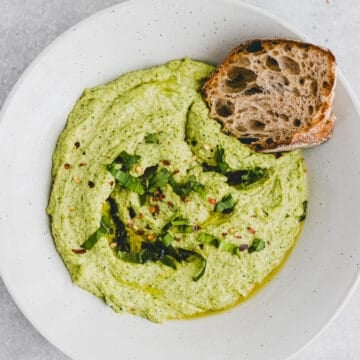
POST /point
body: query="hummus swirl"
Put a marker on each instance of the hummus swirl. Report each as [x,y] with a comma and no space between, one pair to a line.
[240,211]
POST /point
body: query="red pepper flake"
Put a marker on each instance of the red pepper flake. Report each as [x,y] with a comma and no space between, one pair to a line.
[177,239]
[185,200]
[212,201]
[238,236]
[77,144]
[223,234]
[251,230]
[171,204]
[269,243]
[150,237]
[78,251]
[154,209]
[243,247]
[176,171]
[83,164]
[140,232]
[91,184]
[253,216]
[166,162]
[155,198]
[140,216]
[161,197]
[67,166]
[111,183]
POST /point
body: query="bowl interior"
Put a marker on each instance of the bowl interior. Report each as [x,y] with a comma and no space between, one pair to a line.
[281,318]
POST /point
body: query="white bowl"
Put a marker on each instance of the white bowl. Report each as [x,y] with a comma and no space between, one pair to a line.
[275,323]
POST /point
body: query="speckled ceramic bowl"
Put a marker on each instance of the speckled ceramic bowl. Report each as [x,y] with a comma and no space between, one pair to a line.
[275,323]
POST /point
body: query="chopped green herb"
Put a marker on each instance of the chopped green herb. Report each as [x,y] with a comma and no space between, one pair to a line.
[126,160]
[208,239]
[228,247]
[105,228]
[168,261]
[126,180]
[186,254]
[132,257]
[183,190]
[186,229]
[92,240]
[226,205]
[243,178]
[220,160]
[257,245]
[179,221]
[167,239]
[221,165]
[121,236]
[196,186]
[303,216]
[151,139]
[180,224]
[159,180]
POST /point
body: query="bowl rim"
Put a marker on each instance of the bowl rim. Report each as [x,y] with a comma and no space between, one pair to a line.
[120,7]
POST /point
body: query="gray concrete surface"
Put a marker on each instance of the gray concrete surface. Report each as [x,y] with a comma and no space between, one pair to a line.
[27,26]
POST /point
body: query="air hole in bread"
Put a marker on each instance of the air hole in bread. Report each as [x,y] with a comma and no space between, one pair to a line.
[314,87]
[284,117]
[272,64]
[290,65]
[239,77]
[253,90]
[296,91]
[244,61]
[248,140]
[269,141]
[256,125]
[310,109]
[325,84]
[224,108]
[241,128]
[302,81]
[297,122]
[286,81]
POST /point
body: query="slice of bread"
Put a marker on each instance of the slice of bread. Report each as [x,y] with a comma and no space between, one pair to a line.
[274,94]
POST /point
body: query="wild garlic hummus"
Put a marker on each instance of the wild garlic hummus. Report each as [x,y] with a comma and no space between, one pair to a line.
[159,213]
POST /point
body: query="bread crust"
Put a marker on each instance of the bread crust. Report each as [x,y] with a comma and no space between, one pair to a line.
[254,91]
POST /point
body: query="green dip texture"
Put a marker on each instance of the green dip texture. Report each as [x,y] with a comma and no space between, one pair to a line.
[159,213]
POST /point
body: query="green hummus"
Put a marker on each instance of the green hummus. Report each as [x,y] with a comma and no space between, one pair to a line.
[159,213]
